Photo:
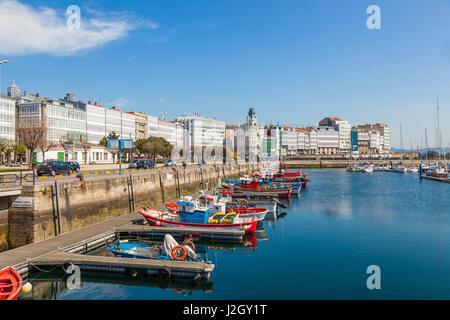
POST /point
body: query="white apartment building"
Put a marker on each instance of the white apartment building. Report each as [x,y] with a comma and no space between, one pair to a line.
[7,118]
[345,130]
[288,140]
[380,137]
[95,122]
[61,119]
[327,140]
[170,130]
[203,132]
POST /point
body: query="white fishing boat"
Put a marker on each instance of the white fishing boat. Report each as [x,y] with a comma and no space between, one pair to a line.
[368,168]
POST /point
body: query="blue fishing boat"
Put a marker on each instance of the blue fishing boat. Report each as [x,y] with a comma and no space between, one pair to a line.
[169,250]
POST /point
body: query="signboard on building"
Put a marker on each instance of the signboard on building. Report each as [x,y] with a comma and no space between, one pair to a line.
[126,143]
[354,141]
[23,202]
[120,143]
[113,144]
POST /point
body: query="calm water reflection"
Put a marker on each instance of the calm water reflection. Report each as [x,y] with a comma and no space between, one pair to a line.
[318,248]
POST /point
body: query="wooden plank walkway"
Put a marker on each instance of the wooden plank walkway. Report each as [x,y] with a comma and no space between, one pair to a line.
[75,240]
[121,265]
[446,180]
[19,255]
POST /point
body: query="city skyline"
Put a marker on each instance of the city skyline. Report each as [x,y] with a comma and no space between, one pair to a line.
[323,62]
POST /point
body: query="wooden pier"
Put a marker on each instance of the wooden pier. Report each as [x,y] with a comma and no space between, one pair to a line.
[123,265]
[446,180]
[72,246]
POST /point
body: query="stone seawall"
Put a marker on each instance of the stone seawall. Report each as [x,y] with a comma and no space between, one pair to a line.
[95,198]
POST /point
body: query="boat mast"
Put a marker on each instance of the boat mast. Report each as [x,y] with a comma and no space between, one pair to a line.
[438,133]
[401,141]
[426,145]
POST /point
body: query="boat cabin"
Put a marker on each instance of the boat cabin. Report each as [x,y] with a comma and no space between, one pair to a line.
[191,212]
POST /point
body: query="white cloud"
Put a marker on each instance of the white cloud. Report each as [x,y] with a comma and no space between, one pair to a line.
[120,102]
[27,30]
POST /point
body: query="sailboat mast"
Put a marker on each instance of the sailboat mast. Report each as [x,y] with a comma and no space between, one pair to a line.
[426,144]
[401,140]
[438,133]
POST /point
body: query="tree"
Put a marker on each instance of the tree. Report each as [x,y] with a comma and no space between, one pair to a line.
[111,136]
[86,147]
[104,142]
[154,146]
[44,148]
[19,150]
[3,146]
[30,137]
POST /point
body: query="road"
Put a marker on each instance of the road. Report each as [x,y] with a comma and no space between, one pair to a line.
[25,176]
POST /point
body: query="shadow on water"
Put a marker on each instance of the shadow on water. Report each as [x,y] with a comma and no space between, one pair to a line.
[50,285]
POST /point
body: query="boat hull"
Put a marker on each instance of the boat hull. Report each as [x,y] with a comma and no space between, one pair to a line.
[248,227]
[10,284]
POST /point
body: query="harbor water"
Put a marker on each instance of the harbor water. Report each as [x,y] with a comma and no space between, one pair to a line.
[318,248]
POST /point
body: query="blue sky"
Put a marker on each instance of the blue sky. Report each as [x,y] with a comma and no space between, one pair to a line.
[294,61]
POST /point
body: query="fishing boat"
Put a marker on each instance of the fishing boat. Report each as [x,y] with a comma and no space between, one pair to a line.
[169,250]
[368,168]
[271,204]
[192,214]
[217,206]
[284,193]
[247,183]
[291,177]
[10,284]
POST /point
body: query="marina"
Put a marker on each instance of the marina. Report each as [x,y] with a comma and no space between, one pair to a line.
[402,223]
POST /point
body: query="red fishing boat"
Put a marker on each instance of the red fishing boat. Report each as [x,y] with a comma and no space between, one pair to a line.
[247,214]
[10,284]
[291,177]
[191,214]
[284,193]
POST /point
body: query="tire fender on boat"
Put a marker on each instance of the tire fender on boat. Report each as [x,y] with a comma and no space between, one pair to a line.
[165,272]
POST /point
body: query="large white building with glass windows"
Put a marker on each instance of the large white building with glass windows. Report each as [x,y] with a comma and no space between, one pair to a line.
[95,122]
[62,120]
[7,118]
[202,132]
[172,131]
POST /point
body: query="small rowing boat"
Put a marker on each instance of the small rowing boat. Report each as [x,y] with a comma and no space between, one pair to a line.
[10,284]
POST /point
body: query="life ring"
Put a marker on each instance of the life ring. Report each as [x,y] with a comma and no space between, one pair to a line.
[174,250]
[190,243]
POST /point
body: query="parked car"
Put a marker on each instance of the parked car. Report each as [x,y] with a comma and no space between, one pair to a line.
[170,163]
[53,168]
[75,166]
[141,164]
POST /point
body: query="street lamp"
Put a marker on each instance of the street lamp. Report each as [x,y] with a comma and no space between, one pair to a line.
[2,62]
